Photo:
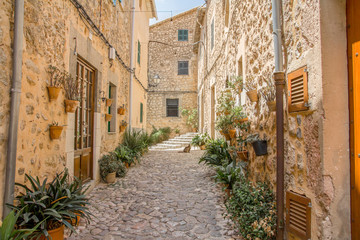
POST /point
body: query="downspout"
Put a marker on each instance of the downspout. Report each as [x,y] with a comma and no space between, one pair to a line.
[14,105]
[131,62]
[279,77]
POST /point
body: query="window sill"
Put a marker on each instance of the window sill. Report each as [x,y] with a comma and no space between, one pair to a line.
[111,133]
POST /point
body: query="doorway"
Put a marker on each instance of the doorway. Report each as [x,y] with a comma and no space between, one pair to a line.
[84,119]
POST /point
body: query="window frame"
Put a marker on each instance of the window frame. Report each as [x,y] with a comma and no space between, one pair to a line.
[182,68]
[167,107]
[183,35]
[304,105]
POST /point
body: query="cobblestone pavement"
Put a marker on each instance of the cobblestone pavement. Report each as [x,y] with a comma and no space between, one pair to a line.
[168,196]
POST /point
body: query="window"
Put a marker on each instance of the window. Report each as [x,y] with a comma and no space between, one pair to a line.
[298,90]
[172,107]
[212,34]
[183,68]
[182,35]
[141,112]
[139,52]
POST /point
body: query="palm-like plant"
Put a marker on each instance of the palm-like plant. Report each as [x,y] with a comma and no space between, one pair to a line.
[217,153]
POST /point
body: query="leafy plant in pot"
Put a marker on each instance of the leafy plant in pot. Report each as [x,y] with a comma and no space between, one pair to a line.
[55,130]
[192,118]
[236,84]
[269,94]
[259,145]
[110,167]
[123,126]
[200,140]
[72,93]
[121,110]
[56,80]
[251,89]
[54,205]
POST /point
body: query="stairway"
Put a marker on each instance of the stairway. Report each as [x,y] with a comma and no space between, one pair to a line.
[177,143]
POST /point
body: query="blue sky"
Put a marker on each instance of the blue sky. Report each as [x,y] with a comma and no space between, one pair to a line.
[165,7]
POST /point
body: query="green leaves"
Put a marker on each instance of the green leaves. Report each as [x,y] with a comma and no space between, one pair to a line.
[200,139]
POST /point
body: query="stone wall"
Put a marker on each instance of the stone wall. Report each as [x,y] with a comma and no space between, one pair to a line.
[248,39]
[165,51]
[55,33]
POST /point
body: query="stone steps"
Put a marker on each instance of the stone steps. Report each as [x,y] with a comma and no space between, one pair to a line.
[176,143]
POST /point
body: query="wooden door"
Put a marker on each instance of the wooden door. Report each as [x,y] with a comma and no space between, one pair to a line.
[84,118]
[355,164]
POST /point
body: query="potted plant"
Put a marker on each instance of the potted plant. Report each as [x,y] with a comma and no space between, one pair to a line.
[228,174]
[72,93]
[200,140]
[259,145]
[251,89]
[108,167]
[56,80]
[121,110]
[125,155]
[108,117]
[108,102]
[236,84]
[269,94]
[192,118]
[123,126]
[52,204]
[177,131]
[55,130]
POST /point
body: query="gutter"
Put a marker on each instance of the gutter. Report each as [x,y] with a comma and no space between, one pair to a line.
[279,77]
[14,106]
[131,62]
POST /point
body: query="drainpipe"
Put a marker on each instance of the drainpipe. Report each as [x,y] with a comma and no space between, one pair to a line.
[131,61]
[279,78]
[14,105]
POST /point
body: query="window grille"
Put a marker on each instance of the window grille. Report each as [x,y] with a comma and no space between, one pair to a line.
[172,107]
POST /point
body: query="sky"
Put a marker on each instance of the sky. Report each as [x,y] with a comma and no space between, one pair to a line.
[167,7]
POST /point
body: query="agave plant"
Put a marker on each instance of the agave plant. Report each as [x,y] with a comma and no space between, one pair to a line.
[217,153]
[125,155]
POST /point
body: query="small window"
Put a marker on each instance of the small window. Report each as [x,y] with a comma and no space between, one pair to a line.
[141,112]
[212,34]
[139,52]
[183,68]
[172,107]
[182,35]
[298,90]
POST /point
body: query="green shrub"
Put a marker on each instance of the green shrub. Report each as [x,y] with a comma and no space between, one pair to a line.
[200,139]
[109,163]
[125,154]
[230,174]
[252,208]
[161,134]
[217,153]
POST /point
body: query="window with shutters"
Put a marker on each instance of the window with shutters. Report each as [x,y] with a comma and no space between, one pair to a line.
[183,35]
[298,90]
[141,112]
[298,215]
[172,107]
[139,52]
[183,68]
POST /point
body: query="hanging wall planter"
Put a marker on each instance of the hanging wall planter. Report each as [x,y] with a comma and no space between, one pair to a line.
[232,133]
[121,110]
[108,117]
[108,102]
[71,105]
[252,95]
[243,155]
[53,92]
[272,106]
[260,147]
[55,132]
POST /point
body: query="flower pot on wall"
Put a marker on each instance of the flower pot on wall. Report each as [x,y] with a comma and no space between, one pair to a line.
[272,106]
[232,133]
[243,155]
[53,93]
[111,177]
[55,234]
[202,147]
[122,128]
[108,102]
[108,117]
[260,147]
[71,105]
[121,111]
[252,95]
[55,132]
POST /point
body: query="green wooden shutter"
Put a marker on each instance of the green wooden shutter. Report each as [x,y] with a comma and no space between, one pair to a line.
[185,35]
[109,109]
[179,35]
[139,52]
[141,112]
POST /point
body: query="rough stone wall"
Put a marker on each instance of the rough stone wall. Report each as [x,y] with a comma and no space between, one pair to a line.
[50,29]
[164,53]
[249,38]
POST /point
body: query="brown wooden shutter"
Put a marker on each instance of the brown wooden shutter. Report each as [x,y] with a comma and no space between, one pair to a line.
[298,90]
[298,215]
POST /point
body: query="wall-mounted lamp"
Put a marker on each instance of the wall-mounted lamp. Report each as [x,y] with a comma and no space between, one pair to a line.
[102,96]
[155,81]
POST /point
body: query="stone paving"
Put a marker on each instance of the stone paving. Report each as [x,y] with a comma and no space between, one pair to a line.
[168,196]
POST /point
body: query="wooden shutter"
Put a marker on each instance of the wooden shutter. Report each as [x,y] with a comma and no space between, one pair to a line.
[185,35]
[298,215]
[298,90]
[139,52]
[141,112]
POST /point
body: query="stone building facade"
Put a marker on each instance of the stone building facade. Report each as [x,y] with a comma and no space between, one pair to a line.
[237,41]
[173,62]
[71,35]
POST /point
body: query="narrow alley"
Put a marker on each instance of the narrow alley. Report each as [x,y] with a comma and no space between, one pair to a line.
[168,196]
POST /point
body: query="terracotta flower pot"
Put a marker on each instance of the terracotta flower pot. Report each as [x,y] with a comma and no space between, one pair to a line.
[243,155]
[108,117]
[122,128]
[202,147]
[108,102]
[194,129]
[232,133]
[71,105]
[272,106]
[111,177]
[121,111]
[227,136]
[228,192]
[127,165]
[53,93]
[75,222]
[252,95]
[55,234]
[55,131]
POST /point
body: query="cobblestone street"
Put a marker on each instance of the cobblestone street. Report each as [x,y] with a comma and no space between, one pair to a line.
[168,196]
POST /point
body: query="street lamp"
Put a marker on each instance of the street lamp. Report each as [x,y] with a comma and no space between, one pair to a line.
[155,81]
